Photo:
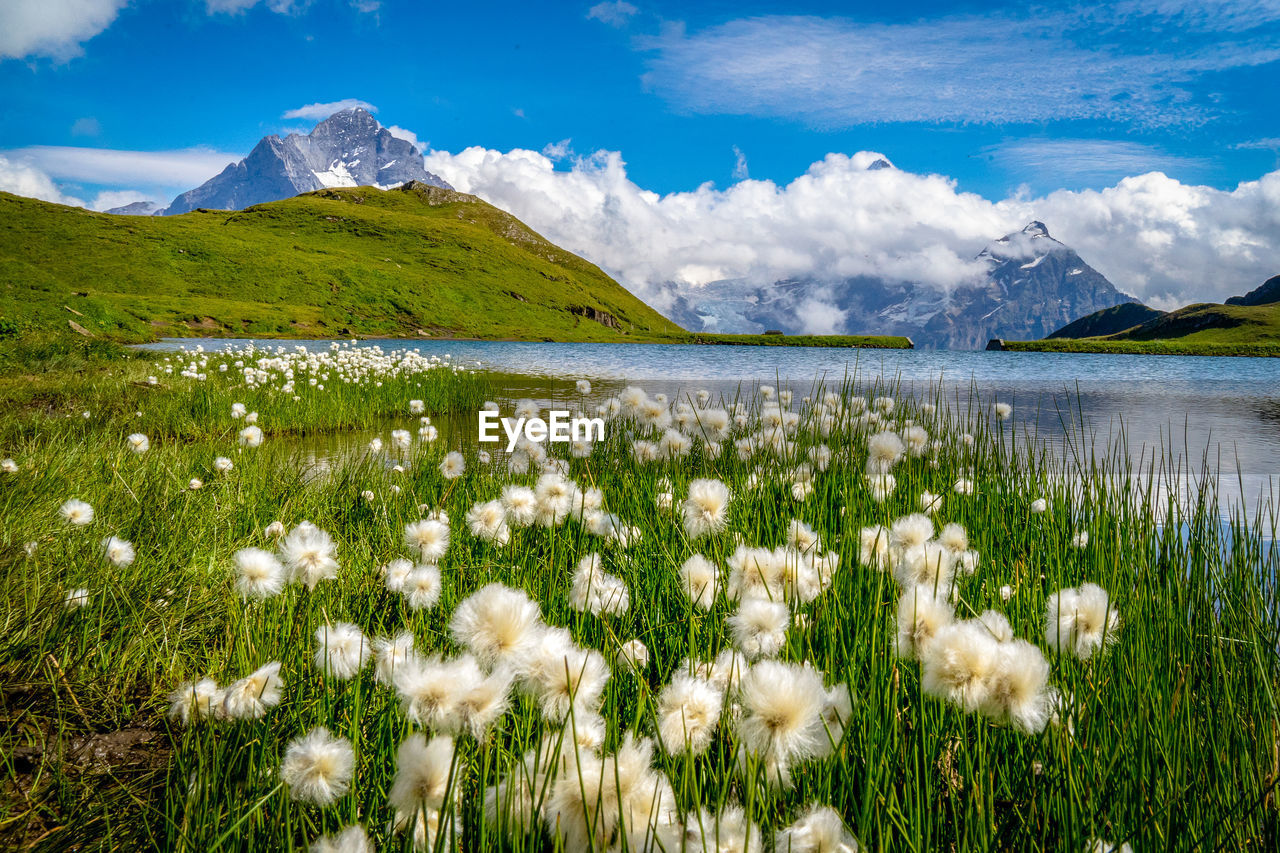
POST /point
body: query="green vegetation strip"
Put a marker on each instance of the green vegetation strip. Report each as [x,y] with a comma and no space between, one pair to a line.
[1162,347]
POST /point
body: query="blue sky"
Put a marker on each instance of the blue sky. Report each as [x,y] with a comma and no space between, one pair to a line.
[996,96]
[679,144]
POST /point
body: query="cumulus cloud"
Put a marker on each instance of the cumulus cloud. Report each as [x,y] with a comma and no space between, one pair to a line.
[27,180]
[1159,239]
[321,111]
[52,28]
[615,13]
[187,167]
[1002,66]
[407,135]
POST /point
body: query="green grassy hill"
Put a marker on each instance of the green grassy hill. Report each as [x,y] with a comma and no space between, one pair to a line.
[1246,325]
[1108,321]
[412,261]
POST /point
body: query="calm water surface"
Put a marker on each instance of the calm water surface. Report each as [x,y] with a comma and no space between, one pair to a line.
[1225,410]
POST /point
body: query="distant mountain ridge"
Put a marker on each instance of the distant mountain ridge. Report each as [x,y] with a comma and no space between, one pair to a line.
[1252,318]
[349,148]
[1033,285]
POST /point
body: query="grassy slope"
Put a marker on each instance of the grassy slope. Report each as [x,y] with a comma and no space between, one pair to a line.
[1202,329]
[362,261]
[335,262]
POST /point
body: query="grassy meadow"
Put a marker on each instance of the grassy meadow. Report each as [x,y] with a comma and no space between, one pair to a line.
[906,630]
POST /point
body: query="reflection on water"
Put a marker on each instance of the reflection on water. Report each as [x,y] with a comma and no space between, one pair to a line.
[1221,411]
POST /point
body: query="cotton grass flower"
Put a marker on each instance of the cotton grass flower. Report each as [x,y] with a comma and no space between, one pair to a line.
[238,410]
[1003,411]
[1081,621]
[341,650]
[1019,694]
[76,512]
[453,465]
[584,387]
[195,701]
[251,436]
[317,767]
[781,721]
[596,591]
[759,627]
[706,508]
[964,486]
[564,677]
[688,714]
[429,537]
[416,407]
[258,573]
[958,664]
[619,796]
[195,484]
[222,465]
[881,486]
[730,831]
[930,503]
[1080,539]
[353,839]
[308,554]
[488,521]
[137,442]
[884,450]
[819,830]
[700,581]
[497,624]
[421,784]
[422,587]
[1039,505]
[76,598]
[118,552]
[252,696]
[921,615]
[391,655]
[633,655]
[274,530]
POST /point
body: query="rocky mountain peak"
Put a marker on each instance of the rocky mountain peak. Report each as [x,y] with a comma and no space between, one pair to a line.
[349,148]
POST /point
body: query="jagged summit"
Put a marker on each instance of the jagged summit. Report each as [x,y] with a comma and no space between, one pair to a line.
[349,148]
[1032,285]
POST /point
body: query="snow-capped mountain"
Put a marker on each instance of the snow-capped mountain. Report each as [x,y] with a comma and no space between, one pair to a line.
[348,149]
[1033,284]
[136,208]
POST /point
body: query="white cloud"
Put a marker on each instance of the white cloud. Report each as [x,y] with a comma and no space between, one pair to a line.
[26,180]
[1091,160]
[998,67]
[1159,239]
[235,7]
[1269,143]
[52,28]
[87,126]
[187,167]
[740,170]
[615,13]
[407,135]
[321,111]
[558,150]
[108,199]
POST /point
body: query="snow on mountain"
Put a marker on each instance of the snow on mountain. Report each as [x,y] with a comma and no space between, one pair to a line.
[349,148]
[1033,285]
